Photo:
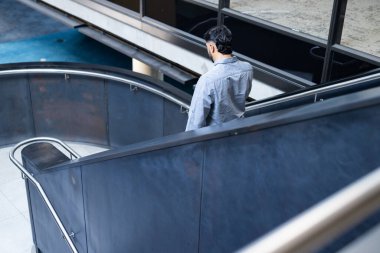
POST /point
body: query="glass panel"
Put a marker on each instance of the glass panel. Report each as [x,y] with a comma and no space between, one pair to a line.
[133,5]
[183,15]
[345,66]
[283,52]
[308,16]
[361,29]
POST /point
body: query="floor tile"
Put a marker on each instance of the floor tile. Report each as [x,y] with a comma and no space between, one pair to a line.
[15,235]
[7,210]
[15,192]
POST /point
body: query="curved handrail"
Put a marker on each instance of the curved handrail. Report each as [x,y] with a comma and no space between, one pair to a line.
[96,75]
[316,226]
[314,91]
[38,185]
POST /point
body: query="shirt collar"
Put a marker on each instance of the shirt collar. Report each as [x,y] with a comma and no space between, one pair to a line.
[226,60]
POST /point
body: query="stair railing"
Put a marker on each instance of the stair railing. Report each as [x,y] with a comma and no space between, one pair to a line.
[26,174]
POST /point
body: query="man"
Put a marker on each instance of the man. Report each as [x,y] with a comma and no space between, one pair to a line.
[220,93]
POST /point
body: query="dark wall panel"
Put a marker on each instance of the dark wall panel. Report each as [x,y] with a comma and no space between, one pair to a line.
[67,199]
[133,5]
[16,122]
[72,109]
[47,236]
[133,115]
[144,203]
[184,15]
[345,66]
[174,120]
[276,173]
[85,109]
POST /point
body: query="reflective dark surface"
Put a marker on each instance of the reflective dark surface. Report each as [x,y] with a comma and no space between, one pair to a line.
[133,5]
[188,17]
[280,51]
[344,65]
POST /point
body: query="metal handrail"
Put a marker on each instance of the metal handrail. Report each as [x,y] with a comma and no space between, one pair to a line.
[97,75]
[28,175]
[318,225]
[314,92]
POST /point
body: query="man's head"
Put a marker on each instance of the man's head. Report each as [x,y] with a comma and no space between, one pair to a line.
[218,42]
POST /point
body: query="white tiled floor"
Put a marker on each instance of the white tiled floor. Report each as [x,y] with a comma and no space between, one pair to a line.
[15,231]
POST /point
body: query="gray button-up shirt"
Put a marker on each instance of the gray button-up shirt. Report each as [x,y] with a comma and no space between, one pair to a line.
[220,94]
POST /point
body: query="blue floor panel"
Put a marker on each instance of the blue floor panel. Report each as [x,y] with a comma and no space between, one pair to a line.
[67,46]
[19,21]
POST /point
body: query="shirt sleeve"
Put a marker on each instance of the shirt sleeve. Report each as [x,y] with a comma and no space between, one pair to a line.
[200,106]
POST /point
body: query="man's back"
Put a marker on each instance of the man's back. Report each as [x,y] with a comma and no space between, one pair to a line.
[220,94]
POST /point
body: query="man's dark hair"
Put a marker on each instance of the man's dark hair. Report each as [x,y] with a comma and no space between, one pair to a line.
[222,37]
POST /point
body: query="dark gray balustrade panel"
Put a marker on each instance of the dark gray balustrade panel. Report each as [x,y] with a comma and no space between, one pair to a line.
[175,118]
[64,190]
[148,202]
[16,122]
[257,181]
[46,234]
[134,115]
[73,109]
[86,109]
